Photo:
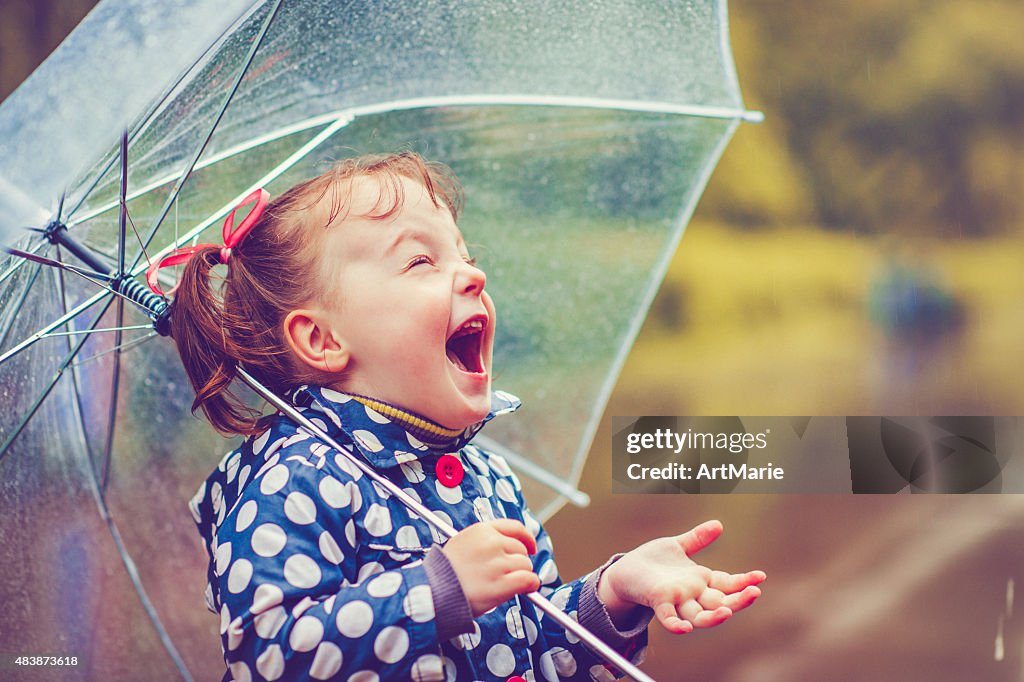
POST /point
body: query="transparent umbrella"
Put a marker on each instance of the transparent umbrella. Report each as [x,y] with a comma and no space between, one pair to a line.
[584,134]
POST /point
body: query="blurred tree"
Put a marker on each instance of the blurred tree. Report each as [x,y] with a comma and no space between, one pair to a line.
[29,31]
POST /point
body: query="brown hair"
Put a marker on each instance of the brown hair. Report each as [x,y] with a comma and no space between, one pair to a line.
[221,323]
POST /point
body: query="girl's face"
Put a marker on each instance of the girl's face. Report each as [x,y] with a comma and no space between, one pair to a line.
[409,306]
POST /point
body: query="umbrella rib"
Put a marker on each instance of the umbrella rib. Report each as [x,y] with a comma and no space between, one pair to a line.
[123,347]
[17,306]
[53,382]
[63,319]
[18,264]
[115,387]
[94,487]
[269,177]
[216,122]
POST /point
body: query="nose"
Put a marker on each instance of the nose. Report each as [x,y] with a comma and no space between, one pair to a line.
[470,280]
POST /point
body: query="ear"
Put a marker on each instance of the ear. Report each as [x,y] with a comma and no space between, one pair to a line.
[314,342]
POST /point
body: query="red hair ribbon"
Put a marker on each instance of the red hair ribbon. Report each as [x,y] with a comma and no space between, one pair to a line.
[232,237]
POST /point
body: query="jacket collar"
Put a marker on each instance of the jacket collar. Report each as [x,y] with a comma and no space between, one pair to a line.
[387,435]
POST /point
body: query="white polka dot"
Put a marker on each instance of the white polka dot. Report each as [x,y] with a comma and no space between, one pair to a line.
[435,533]
[319,450]
[514,622]
[239,576]
[377,520]
[415,442]
[547,667]
[367,440]
[427,667]
[326,663]
[504,490]
[450,669]
[548,572]
[531,523]
[267,596]
[364,676]
[307,633]
[375,416]
[599,673]
[483,509]
[329,549]
[368,569]
[232,468]
[223,558]
[216,496]
[419,604]
[500,466]
[334,396]
[270,663]
[531,630]
[301,571]
[471,640]
[355,619]
[269,623]
[391,644]
[245,516]
[407,538]
[384,585]
[275,479]
[260,442]
[357,498]
[350,532]
[485,486]
[243,476]
[346,465]
[235,633]
[302,606]
[413,472]
[225,618]
[221,514]
[240,672]
[334,492]
[300,509]
[565,663]
[570,637]
[561,597]
[500,660]
[268,540]
[449,495]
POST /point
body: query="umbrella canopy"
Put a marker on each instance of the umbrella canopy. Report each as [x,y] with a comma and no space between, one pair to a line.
[584,134]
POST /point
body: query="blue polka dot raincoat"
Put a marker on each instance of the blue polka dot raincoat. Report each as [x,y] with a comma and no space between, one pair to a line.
[317,572]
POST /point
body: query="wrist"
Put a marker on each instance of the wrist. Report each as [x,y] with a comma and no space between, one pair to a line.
[621,611]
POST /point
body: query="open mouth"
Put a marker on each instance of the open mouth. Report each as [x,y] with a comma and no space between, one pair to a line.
[465,347]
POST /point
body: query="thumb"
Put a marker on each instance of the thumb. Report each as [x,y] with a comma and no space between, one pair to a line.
[699,537]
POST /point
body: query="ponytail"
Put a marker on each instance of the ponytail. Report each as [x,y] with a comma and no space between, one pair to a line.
[210,355]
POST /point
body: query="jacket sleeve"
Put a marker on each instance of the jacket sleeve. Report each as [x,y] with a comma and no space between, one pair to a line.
[294,603]
[568,656]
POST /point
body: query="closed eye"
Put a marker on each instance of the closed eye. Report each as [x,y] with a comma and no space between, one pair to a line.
[421,259]
[470,260]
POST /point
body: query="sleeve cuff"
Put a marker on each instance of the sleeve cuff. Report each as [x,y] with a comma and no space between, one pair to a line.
[451,608]
[594,616]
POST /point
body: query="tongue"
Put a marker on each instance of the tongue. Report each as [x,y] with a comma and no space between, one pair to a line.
[453,357]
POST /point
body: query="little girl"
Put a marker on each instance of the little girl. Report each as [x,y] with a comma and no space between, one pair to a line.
[353,295]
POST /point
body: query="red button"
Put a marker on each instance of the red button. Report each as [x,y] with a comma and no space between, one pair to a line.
[515,678]
[449,471]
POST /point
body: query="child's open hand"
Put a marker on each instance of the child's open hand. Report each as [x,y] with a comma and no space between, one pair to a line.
[684,595]
[491,560]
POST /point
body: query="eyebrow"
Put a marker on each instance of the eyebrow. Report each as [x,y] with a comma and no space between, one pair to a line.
[419,235]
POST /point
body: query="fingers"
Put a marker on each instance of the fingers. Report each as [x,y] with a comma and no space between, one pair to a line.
[517,531]
[696,539]
[735,582]
[670,620]
[741,600]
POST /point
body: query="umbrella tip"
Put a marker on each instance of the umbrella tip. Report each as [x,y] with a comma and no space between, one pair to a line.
[753,116]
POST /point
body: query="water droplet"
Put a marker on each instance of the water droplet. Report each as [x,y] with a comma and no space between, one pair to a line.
[999,653]
[1009,597]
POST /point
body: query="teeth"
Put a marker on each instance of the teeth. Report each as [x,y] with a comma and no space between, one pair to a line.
[469,328]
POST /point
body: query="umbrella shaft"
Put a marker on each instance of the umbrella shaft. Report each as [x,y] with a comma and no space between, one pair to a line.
[597,644]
